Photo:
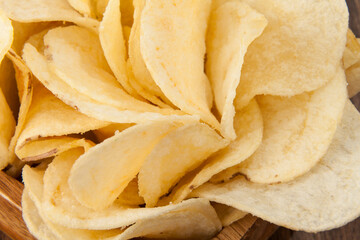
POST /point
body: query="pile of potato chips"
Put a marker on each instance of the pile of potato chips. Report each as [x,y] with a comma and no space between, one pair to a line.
[174,118]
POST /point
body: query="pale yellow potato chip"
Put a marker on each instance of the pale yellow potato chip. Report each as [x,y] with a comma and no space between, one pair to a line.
[297,132]
[96,184]
[227,215]
[174,224]
[142,77]
[45,11]
[291,57]
[232,28]
[326,197]
[84,7]
[62,208]
[34,222]
[7,126]
[131,110]
[6,36]
[48,116]
[143,92]
[113,44]
[48,147]
[249,129]
[172,43]
[178,153]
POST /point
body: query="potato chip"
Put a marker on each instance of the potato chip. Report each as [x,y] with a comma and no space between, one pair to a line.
[292,55]
[101,7]
[48,147]
[249,129]
[96,184]
[227,214]
[326,197]
[174,224]
[7,126]
[172,43]
[33,221]
[6,36]
[297,132]
[142,77]
[62,208]
[232,28]
[178,153]
[131,110]
[44,10]
[83,6]
[48,117]
[113,44]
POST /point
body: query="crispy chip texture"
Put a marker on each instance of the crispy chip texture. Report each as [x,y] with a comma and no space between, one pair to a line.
[290,57]
[227,214]
[44,10]
[168,162]
[297,132]
[232,28]
[83,6]
[172,43]
[249,129]
[324,198]
[96,184]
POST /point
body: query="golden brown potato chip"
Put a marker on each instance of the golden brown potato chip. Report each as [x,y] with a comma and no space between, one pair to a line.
[130,195]
[127,12]
[227,214]
[353,79]
[291,57]
[232,28]
[96,184]
[172,43]
[45,11]
[297,132]
[249,129]
[178,153]
[326,197]
[351,53]
[110,130]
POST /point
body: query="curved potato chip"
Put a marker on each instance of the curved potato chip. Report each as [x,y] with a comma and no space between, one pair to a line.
[177,67]
[249,129]
[351,53]
[96,184]
[45,11]
[353,79]
[127,12]
[297,132]
[142,76]
[130,195]
[48,147]
[6,36]
[232,28]
[83,6]
[326,197]
[7,126]
[48,116]
[291,57]
[227,214]
[65,210]
[113,44]
[34,222]
[174,224]
[109,131]
[129,113]
[178,153]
